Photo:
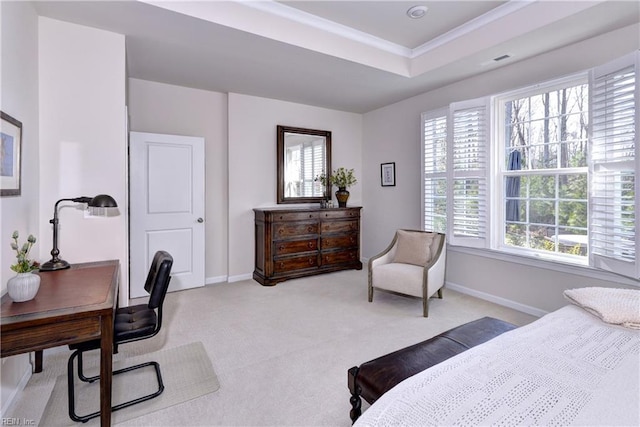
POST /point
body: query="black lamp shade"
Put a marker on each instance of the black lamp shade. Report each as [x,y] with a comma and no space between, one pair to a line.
[103,201]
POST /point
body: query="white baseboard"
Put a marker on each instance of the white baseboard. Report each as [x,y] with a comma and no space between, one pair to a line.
[240,277]
[497,300]
[8,403]
[215,279]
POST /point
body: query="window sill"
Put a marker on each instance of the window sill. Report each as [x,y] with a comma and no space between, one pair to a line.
[539,262]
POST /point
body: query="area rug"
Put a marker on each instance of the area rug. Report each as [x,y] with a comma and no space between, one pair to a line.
[187,373]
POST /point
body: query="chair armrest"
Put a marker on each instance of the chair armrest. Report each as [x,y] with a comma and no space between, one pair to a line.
[384,257]
[435,270]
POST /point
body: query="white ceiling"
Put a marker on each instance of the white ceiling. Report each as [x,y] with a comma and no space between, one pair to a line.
[346,55]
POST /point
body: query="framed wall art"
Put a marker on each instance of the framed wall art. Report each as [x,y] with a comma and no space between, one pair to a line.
[10,155]
[388,174]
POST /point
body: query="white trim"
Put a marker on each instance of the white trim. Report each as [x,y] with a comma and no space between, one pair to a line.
[305,18]
[497,300]
[240,277]
[548,264]
[215,279]
[8,403]
[470,26]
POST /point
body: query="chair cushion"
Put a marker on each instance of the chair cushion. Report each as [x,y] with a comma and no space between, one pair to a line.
[133,322]
[413,247]
[398,277]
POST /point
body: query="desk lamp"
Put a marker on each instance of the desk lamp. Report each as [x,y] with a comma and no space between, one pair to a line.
[100,201]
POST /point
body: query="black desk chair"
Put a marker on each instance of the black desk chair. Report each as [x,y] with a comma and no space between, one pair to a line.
[131,324]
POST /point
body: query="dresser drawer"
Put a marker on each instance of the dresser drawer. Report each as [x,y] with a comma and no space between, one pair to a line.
[294,216]
[283,265]
[343,241]
[340,226]
[340,213]
[339,257]
[294,246]
[293,229]
[300,242]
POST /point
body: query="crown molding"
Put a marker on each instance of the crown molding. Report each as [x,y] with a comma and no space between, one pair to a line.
[493,15]
[305,18]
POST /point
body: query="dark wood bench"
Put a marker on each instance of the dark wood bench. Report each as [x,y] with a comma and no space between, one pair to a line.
[374,378]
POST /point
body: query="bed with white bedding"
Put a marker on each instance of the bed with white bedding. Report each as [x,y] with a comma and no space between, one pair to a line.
[568,368]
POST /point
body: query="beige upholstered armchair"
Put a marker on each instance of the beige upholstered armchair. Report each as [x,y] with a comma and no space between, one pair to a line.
[413,264]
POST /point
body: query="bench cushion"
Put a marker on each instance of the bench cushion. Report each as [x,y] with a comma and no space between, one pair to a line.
[374,378]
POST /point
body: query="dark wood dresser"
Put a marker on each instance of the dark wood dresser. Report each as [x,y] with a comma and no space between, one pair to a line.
[301,242]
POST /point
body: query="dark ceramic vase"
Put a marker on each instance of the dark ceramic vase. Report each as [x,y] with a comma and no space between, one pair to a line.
[342,195]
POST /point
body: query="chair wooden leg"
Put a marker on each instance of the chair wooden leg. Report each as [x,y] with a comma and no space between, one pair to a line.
[425,307]
[370,293]
[440,293]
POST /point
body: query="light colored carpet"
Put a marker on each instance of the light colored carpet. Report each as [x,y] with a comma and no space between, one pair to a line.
[186,372]
[281,353]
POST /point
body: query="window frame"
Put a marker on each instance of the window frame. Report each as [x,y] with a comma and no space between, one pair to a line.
[492,246]
[499,173]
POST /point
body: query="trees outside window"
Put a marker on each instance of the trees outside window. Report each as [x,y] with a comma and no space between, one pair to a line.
[547,170]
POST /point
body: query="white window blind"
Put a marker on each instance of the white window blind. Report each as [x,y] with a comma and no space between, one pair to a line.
[312,166]
[434,143]
[614,161]
[468,172]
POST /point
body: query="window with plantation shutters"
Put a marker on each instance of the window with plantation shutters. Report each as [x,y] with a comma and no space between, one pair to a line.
[546,171]
[434,183]
[312,166]
[468,173]
[614,162]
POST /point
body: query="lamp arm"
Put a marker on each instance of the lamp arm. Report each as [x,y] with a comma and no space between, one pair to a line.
[55,263]
[55,252]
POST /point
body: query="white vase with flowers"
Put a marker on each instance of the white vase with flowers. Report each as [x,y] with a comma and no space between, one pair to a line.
[25,284]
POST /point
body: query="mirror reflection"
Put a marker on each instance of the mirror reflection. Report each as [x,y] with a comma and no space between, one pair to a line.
[304,158]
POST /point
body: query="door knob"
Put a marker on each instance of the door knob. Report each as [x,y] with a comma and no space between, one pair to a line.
[200,220]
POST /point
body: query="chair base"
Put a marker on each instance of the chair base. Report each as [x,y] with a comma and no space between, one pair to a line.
[71,388]
[425,301]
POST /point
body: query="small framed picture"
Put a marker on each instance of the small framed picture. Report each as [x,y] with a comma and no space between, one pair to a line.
[388,174]
[10,153]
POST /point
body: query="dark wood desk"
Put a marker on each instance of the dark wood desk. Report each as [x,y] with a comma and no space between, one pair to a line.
[71,306]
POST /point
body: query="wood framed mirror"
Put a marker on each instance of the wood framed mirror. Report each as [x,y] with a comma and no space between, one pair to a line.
[303,156]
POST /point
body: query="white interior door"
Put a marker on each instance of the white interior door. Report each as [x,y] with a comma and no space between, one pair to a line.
[167,207]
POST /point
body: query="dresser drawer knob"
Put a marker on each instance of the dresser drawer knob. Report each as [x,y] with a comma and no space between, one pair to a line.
[281,248]
[281,231]
[310,229]
[310,244]
[282,265]
[310,261]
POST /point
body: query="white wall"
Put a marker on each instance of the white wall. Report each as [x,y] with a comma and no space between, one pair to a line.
[83,140]
[19,99]
[162,108]
[392,133]
[252,162]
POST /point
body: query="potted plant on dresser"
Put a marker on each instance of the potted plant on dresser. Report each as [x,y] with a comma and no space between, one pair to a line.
[24,285]
[343,179]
